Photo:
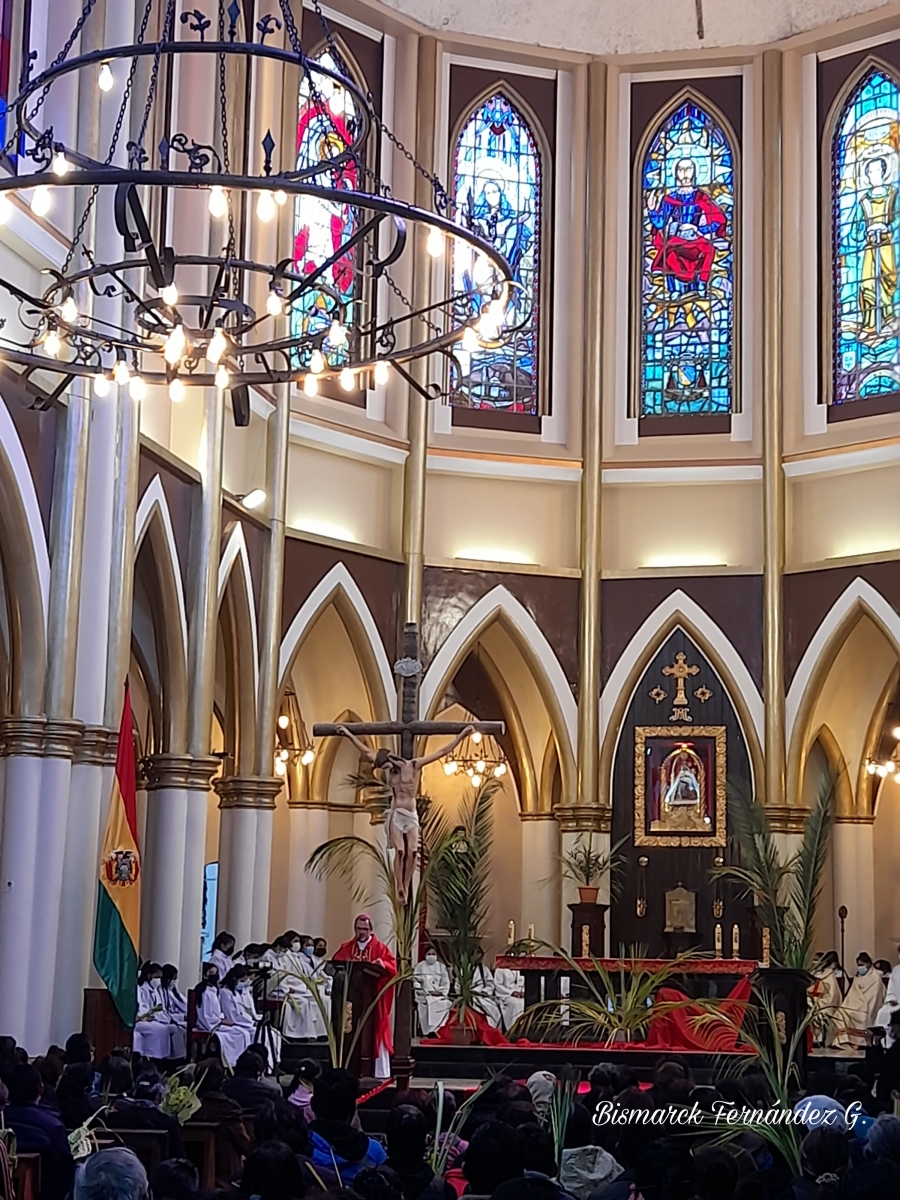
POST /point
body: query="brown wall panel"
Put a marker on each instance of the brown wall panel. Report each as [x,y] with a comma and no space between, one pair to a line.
[181,492]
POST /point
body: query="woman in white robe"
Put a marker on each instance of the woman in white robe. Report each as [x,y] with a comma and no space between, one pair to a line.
[152,1029]
[211,1018]
[176,1007]
[860,1007]
[223,953]
[484,991]
[235,1013]
[509,987]
[431,980]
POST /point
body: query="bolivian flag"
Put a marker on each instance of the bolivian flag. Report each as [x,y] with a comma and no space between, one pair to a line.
[119,901]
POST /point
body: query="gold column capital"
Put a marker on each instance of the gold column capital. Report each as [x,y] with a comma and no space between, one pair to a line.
[583,818]
[62,737]
[248,791]
[93,747]
[167,771]
[786,818]
[23,735]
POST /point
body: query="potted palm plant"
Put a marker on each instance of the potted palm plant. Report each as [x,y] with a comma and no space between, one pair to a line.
[587,867]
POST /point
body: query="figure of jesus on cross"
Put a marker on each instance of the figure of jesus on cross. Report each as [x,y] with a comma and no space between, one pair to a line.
[404,770]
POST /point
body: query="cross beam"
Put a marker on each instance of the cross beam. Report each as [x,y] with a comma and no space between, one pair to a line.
[416,728]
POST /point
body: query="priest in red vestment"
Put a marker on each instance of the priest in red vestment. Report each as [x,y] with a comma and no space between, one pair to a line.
[365,947]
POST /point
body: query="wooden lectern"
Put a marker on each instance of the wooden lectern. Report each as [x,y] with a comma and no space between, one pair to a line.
[358,982]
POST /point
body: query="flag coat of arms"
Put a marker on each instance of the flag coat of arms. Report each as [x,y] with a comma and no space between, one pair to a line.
[119,899]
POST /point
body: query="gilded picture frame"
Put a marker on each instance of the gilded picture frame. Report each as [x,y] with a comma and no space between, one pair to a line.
[714,737]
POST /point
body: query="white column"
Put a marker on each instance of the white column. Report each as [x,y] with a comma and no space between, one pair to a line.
[540,876]
[853,856]
[245,855]
[197,800]
[75,941]
[19,856]
[306,894]
[262,868]
[163,860]
[60,738]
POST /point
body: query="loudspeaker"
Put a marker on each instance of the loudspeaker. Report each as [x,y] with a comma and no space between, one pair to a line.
[240,404]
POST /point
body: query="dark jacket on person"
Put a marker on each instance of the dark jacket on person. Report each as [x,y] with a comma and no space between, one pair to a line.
[39,1131]
[143,1114]
[351,1148]
[232,1139]
[251,1094]
[420,1183]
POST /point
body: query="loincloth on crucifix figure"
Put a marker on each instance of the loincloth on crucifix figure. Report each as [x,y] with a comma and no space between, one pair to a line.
[401,822]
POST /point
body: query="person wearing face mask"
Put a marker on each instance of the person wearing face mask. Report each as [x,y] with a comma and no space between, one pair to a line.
[891,1003]
[212,1019]
[153,1028]
[861,1005]
[432,983]
[223,953]
[234,990]
[320,955]
[176,1007]
[301,1018]
[509,988]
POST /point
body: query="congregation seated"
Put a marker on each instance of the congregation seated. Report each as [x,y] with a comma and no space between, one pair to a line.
[248,1087]
[407,1133]
[496,1153]
[115,1174]
[301,1087]
[232,1139]
[134,1103]
[281,1122]
[39,1131]
[335,1141]
[272,1172]
[74,1094]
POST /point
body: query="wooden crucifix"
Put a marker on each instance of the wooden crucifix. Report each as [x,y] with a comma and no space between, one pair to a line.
[404,770]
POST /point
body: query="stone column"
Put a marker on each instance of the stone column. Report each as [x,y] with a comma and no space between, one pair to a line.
[163,859]
[853,853]
[306,894]
[75,943]
[242,880]
[59,742]
[540,861]
[197,787]
[773,433]
[22,737]
[575,823]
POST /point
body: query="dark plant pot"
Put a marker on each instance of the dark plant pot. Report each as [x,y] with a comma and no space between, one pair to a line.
[461,1035]
[588,895]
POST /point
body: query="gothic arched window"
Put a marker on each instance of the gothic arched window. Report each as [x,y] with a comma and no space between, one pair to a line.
[686,230]
[496,185]
[327,121]
[865,232]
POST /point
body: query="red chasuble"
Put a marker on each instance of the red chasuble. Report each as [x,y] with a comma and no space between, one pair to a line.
[376,952]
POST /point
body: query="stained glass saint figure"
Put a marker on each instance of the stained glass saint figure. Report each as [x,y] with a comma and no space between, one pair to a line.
[497,193]
[686,334]
[326,123]
[865,232]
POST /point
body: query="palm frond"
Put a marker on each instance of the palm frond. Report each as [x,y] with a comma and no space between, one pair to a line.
[808,870]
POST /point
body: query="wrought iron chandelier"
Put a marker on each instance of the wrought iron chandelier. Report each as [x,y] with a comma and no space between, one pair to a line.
[224,318]
[479,755]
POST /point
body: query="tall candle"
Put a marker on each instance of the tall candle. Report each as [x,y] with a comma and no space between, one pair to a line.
[510,933]
[718,941]
[767,947]
[585,941]
[735,941]
[531,933]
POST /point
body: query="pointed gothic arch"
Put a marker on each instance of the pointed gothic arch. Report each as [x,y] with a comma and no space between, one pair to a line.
[679,287]
[500,607]
[339,588]
[679,611]
[237,615]
[157,568]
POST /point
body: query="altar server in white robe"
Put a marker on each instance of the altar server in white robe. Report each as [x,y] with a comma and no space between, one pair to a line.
[234,1011]
[152,1029]
[176,1007]
[223,953]
[301,1018]
[509,987]
[891,1003]
[211,1018]
[431,980]
[826,996]
[484,991]
[861,1005]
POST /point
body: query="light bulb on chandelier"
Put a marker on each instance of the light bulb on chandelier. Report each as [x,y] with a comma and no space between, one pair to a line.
[222,378]
[121,374]
[265,206]
[218,344]
[435,243]
[451,766]
[274,303]
[307,757]
[382,372]
[52,344]
[101,386]
[337,334]
[137,389]
[175,344]
[317,362]
[60,165]
[311,385]
[6,208]
[218,202]
[469,341]
[280,768]
[176,390]
[69,310]
[105,78]
[348,379]
[169,295]
[40,200]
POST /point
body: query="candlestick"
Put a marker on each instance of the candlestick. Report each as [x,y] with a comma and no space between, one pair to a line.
[510,933]
[718,941]
[735,941]
[585,941]
[766,947]
[531,933]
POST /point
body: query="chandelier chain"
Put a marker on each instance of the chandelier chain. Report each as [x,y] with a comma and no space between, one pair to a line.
[223,113]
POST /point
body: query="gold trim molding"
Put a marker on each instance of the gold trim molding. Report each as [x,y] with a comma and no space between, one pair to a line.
[23,736]
[787,818]
[248,791]
[578,818]
[62,738]
[855,819]
[93,747]
[675,732]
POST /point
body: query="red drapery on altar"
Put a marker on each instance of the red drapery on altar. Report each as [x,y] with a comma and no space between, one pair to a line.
[484,1033]
[675,1029]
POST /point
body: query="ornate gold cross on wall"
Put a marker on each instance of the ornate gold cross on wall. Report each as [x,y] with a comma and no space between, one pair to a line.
[680,670]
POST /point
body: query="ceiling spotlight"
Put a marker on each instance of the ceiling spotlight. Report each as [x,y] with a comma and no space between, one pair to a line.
[254,498]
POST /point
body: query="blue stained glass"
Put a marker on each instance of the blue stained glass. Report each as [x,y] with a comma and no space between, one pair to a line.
[687,279]
[326,121]
[865,232]
[497,193]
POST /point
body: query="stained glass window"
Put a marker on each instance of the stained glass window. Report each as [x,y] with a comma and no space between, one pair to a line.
[497,192]
[865,234]
[326,123]
[686,359]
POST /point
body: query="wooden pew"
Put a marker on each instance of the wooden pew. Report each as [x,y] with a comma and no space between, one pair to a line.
[27,1176]
[150,1145]
[199,1138]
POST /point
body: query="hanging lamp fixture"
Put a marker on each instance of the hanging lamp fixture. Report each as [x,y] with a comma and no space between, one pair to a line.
[222,315]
